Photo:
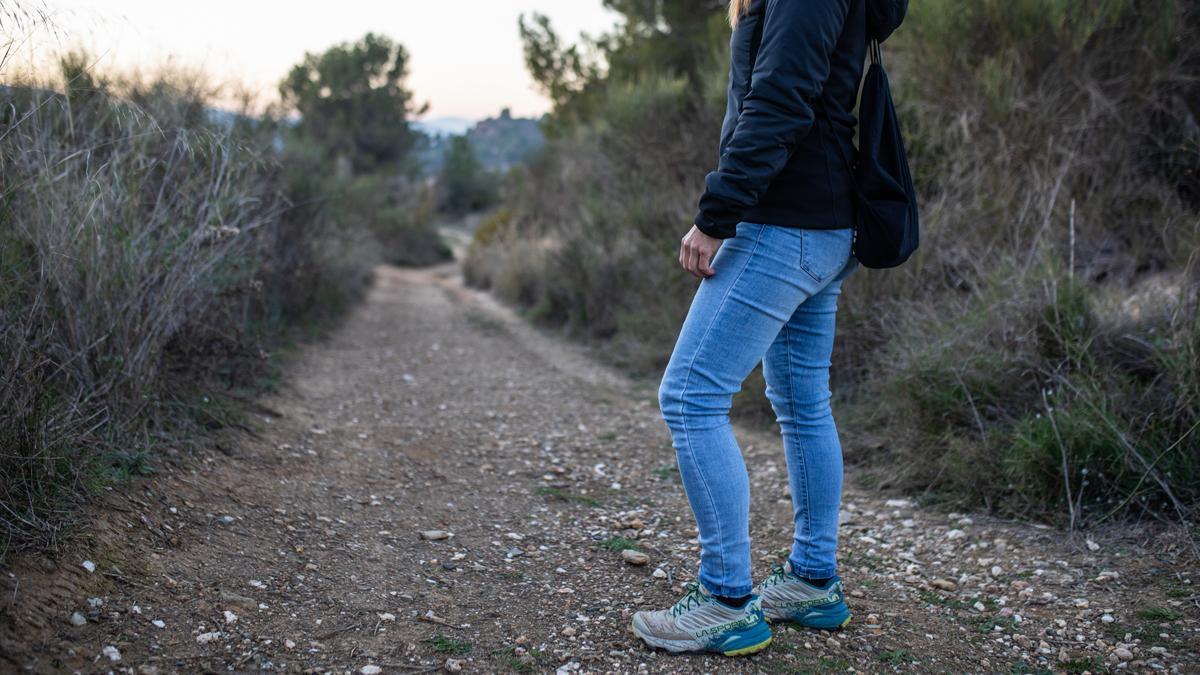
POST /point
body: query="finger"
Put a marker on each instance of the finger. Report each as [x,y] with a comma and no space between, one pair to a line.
[704,260]
[693,262]
[683,255]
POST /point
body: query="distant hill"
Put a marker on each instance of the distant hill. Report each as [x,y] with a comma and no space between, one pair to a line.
[499,142]
[444,126]
[503,141]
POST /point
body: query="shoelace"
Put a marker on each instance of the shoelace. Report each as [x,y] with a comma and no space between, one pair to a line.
[693,597]
[778,575]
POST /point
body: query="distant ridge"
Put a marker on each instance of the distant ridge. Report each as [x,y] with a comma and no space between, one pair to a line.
[444,126]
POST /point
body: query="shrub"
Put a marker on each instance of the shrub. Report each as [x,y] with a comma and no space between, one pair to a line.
[150,256]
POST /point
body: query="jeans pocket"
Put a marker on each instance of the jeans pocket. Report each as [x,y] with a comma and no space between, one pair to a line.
[825,252]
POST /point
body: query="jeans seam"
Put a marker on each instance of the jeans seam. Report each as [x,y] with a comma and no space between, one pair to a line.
[799,443]
[688,380]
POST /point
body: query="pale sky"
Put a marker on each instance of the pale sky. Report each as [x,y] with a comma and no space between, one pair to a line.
[466,58]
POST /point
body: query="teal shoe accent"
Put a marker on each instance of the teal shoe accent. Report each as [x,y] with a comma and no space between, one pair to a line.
[746,640]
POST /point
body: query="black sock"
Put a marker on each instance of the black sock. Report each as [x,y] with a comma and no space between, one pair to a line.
[819,583]
[735,603]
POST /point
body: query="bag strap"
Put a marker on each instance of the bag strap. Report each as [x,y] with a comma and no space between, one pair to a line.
[874,56]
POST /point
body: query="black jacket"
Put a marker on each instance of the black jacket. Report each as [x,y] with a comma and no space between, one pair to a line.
[789,125]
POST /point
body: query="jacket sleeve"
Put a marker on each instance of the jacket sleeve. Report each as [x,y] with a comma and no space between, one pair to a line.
[789,73]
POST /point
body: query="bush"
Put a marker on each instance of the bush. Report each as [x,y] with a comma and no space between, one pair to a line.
[150,254]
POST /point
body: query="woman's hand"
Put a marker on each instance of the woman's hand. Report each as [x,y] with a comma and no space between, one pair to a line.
[696,252]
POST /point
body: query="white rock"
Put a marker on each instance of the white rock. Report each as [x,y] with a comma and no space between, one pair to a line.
[659,573]
[89,565]
[112,653]
[435,535]
[289,644]
[955,534]
[1092,546]
[1081,603]
[205,638]
[979,606]
[1108,618]
[453,666]
[78,619]
[159,623]
[370,670]
[387,616]
[1123,654]
[230,618]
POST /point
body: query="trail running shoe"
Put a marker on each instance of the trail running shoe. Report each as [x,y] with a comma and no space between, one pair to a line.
[788,598]
[701,623]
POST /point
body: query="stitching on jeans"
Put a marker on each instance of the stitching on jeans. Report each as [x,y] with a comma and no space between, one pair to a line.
[799,443]
[688,380]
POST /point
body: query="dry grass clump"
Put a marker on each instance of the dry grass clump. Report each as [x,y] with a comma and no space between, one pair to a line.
[150,254]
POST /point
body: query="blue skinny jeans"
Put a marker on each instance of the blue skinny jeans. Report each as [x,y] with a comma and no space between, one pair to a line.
[773,299]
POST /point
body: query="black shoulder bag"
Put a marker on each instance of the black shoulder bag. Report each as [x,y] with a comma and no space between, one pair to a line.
[886,222]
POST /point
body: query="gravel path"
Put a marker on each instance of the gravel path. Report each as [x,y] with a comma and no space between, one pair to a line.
[441,487]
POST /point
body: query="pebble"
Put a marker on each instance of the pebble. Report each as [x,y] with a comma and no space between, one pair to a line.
[1108,618]
[112,653]
[231,598]
[944,584]
[635,558]
[1123,654]
[289,644]
[205,638]
[387,617]
[159,623]
[1081,603]
[78,619]
[832,642]
[955,534]
[89,565]
[435,535]
[872,619]
[454,665]
[659,573]
[370,670]
[230,618]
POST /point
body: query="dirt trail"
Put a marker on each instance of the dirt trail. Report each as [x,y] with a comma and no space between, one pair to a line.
[432,409]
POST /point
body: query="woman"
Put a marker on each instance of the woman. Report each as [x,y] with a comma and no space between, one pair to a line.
[779,208]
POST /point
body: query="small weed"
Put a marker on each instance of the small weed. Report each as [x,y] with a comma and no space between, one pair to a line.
[521,663]
[618,544]
[1080,666]
[668,472]
[896,656]
[822,666]
[942,601]
[1157,614]
[1179,593]
[607,436]
[447,645]
[989,624]
[512,575]
[867,481]
[563,495]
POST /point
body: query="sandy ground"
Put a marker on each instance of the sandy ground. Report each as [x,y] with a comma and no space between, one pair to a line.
[528,467]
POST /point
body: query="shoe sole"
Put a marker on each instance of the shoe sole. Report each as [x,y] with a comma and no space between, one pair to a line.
[829,626]
[692,647]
